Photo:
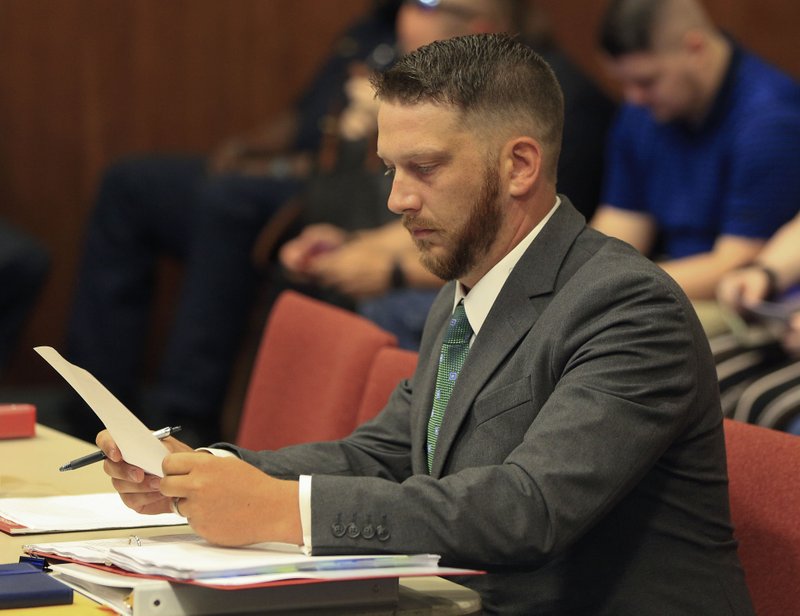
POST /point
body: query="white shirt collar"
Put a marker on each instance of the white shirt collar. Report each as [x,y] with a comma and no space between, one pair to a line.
[480,299]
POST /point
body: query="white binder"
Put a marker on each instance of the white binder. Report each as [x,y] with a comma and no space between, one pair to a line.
[143,597]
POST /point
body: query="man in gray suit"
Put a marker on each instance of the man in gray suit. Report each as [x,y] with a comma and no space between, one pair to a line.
[580,459]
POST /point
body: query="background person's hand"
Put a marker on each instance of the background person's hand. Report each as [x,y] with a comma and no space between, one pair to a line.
[744,287]
[358,269]
[297,254]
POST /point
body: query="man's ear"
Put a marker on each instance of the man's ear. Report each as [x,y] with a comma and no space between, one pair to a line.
[524,165]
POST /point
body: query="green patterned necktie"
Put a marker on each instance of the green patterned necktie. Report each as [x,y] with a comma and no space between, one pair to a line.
[454,351]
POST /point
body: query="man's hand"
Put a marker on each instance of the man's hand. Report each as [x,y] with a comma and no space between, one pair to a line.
[138,490]
[750,286]
[297,254]
[230,502]
[225,500]
[358,269]
[743,287]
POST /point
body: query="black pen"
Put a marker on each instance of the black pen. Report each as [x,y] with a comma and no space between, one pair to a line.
[99,455]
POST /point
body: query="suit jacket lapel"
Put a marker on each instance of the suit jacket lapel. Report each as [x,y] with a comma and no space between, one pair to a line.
[524,296]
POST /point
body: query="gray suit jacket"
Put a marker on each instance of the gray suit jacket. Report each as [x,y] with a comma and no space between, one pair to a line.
[581,460]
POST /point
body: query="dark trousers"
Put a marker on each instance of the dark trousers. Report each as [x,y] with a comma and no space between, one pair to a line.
[402,312]
[23,267]
[169,206]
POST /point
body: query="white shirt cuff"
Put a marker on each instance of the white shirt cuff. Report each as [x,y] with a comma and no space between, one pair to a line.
[305,512]
[220,453]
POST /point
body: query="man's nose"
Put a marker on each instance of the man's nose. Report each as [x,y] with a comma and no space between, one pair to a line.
[402,199]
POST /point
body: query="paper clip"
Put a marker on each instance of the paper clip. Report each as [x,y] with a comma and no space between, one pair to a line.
[134,539]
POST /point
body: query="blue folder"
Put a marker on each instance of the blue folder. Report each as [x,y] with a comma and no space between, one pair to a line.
[25,585]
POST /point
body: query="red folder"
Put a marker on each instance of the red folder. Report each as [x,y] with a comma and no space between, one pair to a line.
[17,420]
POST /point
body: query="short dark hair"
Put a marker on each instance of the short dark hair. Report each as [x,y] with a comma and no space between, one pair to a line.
[629,26]
[493,79]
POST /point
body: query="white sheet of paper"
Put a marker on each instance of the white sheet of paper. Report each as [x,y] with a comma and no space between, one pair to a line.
[42,514]
[136,442]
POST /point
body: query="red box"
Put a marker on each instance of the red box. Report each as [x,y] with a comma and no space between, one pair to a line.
[17,420]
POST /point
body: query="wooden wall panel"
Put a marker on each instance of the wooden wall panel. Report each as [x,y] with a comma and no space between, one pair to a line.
[85,81]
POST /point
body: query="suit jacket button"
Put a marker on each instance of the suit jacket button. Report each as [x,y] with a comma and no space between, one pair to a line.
[353,530]
[337,528]
[383,532]
[368,532]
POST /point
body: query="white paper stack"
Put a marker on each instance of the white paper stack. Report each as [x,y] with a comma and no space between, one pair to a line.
[189,557]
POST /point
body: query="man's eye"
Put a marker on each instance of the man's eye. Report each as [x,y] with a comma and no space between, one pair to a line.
[425,169]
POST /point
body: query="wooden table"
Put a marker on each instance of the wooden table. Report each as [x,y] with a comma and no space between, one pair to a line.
[29,467]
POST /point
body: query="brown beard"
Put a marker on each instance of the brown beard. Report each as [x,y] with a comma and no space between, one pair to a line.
[472,241]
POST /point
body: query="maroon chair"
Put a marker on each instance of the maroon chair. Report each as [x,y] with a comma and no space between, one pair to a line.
[390,366]
[309,374]
[764,474]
